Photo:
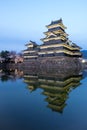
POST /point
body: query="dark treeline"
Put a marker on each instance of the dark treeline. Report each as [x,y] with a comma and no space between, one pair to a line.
[8,56]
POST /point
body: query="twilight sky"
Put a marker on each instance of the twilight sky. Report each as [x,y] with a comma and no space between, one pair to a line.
[25,20]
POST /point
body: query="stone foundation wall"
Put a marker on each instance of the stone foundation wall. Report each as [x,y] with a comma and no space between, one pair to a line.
[48,65]
[53,63]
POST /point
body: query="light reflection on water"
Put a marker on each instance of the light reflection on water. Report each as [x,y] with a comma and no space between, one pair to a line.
[43,100]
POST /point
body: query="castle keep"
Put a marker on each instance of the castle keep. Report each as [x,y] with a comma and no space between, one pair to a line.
[56,47]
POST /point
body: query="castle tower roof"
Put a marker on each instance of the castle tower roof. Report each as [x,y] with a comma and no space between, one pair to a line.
[56,23]
[31,43]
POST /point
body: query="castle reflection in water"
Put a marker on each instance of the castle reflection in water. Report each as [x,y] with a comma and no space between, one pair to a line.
[56,85]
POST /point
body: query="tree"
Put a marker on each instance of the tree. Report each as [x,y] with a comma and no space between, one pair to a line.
[5,55]
[12,53]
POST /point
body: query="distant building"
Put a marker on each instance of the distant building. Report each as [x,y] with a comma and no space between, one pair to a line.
[56,43]
[15,58]
[18,59]
[2,60]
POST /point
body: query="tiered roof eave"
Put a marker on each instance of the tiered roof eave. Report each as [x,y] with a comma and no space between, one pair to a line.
[56,24]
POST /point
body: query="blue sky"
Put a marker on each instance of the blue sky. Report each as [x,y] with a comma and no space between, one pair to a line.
[25,20]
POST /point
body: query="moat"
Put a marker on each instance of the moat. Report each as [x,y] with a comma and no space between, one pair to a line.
[44,100]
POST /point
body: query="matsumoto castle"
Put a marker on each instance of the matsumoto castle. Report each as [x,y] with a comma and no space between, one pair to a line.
[55,44]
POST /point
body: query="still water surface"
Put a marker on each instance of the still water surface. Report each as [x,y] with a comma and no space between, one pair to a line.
[32,102]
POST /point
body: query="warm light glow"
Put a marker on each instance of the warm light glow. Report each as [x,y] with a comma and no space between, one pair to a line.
[83,60]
